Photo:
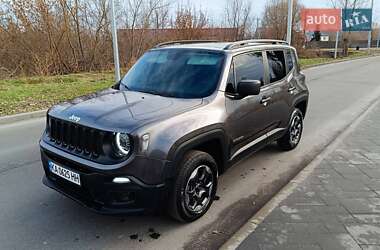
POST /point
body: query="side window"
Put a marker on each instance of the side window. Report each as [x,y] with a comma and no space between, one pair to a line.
[249,66]
[277,69]
[231,85]
[289,60]
[295,62]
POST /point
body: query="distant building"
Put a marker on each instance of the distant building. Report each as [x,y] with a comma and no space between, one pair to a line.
[325,38]
[357,39]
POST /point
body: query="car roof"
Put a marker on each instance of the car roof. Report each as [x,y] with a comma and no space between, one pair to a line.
[225,46]
[211,45]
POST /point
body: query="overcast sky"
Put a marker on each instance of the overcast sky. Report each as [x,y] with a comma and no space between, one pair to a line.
[215,7]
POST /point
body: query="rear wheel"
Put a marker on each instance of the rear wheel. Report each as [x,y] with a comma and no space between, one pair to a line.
[195,187]
[293,136]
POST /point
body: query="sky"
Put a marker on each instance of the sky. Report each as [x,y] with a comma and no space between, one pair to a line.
[215,8]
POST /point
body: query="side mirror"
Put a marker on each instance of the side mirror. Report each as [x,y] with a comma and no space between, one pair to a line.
[248,87]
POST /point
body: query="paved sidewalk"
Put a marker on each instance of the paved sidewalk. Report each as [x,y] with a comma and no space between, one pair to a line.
[337,206]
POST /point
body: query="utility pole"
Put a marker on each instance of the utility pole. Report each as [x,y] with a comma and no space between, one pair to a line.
[370,32]
[114,41]
[336,45]
[257,28]
[290,22]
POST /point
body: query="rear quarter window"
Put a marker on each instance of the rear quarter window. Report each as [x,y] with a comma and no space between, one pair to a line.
[289,60]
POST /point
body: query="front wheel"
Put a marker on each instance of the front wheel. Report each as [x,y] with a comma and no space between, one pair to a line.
[195,187]
[293,136]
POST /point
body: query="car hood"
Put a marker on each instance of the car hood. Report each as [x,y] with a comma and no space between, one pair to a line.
[116,110]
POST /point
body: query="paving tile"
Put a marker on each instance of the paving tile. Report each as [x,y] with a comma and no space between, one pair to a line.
[360,205]
[368,218]
[374,184]
[362,178]
[290,247]
[372,173]
[375,201]
[368,166]
[357,194]
[337,206]
[250,243]
[372,156]
[339,241]
[330,210]
[370,247]
[348,185]
[330,200]
[365,233]
[303,201]
[335,226]
[279,239]
[275,228]
[348,170]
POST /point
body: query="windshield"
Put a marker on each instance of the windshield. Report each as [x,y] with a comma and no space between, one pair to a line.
[180,73]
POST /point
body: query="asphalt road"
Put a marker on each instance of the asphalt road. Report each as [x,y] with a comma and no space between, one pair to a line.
[35,217]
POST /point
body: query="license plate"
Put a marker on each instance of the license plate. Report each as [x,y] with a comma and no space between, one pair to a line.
[64,173]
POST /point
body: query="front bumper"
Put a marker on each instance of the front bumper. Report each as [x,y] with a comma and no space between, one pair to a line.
[99,193]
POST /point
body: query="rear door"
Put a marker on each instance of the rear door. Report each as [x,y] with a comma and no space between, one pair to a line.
[277,89]
[294,78]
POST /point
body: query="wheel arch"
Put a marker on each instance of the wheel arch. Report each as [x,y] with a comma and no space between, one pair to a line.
[301,104]
[213,142]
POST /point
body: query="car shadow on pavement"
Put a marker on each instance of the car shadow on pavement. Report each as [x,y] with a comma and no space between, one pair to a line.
[74,223]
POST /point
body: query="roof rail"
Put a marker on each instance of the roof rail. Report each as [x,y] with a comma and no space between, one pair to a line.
[240,44]
[184,42]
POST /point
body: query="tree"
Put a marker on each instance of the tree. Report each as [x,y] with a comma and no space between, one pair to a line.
[189,22]
[140,15]
[238,17]
[54,37]
[274,20]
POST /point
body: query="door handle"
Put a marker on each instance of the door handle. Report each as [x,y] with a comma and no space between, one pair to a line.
[265,101]
[291,89]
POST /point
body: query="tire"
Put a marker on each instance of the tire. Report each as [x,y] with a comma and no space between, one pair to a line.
[294,133]
[190,189]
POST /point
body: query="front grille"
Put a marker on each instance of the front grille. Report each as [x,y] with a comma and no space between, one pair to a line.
[75,137]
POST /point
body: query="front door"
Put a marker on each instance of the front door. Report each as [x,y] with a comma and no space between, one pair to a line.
[248,118]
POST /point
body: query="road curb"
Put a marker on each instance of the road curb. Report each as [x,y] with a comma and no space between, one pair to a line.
[338,61]
[21,117]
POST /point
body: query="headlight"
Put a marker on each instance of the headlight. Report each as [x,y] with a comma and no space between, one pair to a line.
[123,144]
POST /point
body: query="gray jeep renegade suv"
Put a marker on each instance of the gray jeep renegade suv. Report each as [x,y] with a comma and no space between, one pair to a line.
[183,114]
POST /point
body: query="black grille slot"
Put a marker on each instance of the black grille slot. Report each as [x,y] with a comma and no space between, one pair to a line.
[75,137]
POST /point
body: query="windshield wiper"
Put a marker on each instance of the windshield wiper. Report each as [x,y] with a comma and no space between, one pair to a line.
[152,92]
[124,85]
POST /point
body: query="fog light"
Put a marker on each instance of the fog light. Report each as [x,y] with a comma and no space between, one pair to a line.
[121,180]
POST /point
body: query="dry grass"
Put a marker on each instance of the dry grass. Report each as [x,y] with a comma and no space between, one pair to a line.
[34,93]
